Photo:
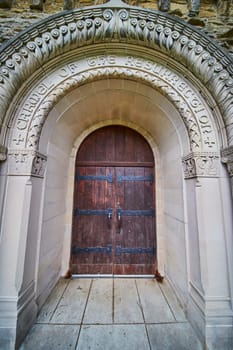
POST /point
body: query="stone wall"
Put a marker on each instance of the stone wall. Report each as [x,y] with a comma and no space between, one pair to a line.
[215,16]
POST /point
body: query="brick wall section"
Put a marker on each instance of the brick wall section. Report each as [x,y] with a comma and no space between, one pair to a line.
[215,17]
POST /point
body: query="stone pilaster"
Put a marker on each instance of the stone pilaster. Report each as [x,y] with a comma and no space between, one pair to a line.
[209,242]
[19,237]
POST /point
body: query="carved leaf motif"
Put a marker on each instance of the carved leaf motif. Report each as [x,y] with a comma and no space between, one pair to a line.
[199,164]
[62,89]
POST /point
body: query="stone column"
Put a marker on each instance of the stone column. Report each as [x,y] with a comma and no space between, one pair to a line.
[18,241]
[209,235]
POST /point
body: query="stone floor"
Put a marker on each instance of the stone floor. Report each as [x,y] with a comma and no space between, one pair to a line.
[111,314]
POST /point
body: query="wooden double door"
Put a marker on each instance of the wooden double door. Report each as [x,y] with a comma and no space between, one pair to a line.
[114,214]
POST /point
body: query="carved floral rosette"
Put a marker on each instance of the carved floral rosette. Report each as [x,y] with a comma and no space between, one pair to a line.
[28,163]
[201,164]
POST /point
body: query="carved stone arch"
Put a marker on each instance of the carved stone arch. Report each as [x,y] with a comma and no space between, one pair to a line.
[191,106]
[118,22]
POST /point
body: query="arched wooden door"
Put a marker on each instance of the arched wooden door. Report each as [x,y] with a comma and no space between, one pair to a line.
[114,214]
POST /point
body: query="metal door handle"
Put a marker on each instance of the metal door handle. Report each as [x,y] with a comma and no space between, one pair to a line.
[118,221]
[109,219]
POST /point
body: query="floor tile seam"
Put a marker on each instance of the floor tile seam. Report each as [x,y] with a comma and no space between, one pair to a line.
[163,323]
[125,324]
[166,299]
[143,316]
[132,324]
[114,324]
[113,301]
[59,300]
[88,295]
[110,324]
[58,324]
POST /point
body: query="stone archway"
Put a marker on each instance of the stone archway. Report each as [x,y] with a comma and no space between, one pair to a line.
[159,68]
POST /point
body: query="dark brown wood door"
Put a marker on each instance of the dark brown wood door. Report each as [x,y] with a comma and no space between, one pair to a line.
[114,214]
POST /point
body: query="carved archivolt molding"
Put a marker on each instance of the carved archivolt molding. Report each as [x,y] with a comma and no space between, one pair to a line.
[201,164]
[117,22]
[38,103]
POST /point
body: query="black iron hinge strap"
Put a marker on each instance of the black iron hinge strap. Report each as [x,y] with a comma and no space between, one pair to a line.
[107,178]
[78,212]
[77,250]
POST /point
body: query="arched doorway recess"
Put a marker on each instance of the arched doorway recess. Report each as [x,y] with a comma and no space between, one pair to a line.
[114,205]
[105,65]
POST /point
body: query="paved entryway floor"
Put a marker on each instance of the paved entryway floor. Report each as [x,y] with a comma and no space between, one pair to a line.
[111,314]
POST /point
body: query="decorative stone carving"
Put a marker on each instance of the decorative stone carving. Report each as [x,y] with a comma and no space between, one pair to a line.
[166,88]
[3,152]
[32,114]
[24,162]
[227,158]
[81,27]
[201,164]
[38,165]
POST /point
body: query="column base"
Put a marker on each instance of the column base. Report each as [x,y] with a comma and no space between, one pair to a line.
[212,321]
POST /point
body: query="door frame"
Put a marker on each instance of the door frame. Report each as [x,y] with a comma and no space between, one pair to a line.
[159,226]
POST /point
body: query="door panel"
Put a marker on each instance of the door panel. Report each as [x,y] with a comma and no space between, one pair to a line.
[114,214]
[92,245]
[135,243]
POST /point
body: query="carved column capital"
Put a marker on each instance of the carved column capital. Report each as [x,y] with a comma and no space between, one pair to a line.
[201,164]
[3,152]
[24,162]
[227,158]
